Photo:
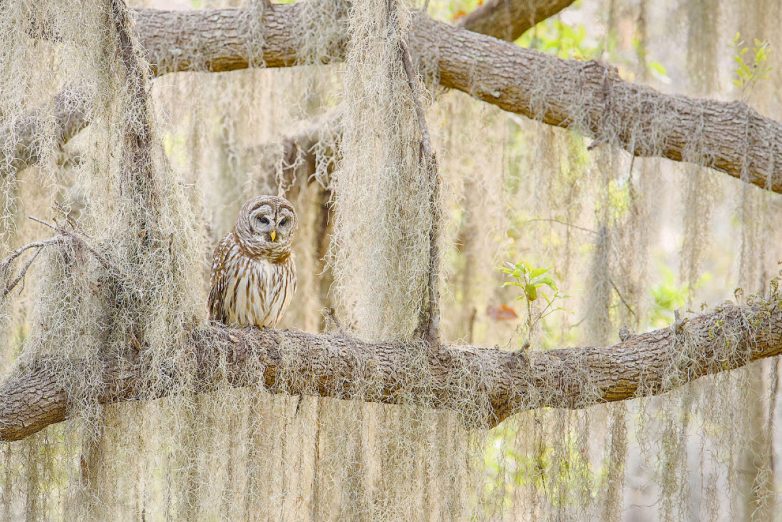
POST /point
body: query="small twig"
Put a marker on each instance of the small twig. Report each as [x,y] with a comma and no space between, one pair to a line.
[44,223]
[331,315]
[564,223]
[19,251]
[77,238]
[10,286]
[678,322]
[6,263]
[596,143]
[621,298]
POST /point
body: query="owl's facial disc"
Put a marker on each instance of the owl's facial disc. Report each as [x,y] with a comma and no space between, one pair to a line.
[265,226]
[273,225]
[262,220]
[286,220]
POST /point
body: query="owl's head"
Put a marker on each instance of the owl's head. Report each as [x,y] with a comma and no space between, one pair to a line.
[265,226]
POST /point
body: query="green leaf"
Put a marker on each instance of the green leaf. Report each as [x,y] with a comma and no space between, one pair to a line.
[546,281]
[537,272]
[658,68]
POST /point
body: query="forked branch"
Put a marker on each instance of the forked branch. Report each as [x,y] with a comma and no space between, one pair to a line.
[8,262]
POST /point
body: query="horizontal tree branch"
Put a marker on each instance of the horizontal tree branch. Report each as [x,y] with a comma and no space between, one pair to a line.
[486,384]
[509,19]
[587,96]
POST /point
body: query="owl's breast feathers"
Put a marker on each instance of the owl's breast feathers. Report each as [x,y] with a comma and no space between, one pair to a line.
[249,290]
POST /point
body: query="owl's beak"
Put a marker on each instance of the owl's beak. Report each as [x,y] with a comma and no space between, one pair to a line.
[273,235]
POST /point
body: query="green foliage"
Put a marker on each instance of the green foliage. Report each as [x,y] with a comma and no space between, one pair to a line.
[530,279]
[559,472]
[561,39]
[534,283]
[618,199]
[573,41]
[658,70]
[752,62]
[669,296]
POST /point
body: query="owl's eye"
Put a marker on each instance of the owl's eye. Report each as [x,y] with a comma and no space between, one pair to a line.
[283,222]
[264,220]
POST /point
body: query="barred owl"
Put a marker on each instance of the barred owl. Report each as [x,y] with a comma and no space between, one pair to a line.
[253,274]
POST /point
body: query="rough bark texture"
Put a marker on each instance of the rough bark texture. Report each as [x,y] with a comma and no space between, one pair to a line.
[588,96]
[727,136]
[509,19]
[591,97]
[464,378]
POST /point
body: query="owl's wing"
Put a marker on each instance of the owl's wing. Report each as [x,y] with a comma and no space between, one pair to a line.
[219,280]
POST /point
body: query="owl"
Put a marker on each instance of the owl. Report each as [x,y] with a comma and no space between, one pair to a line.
[253,273]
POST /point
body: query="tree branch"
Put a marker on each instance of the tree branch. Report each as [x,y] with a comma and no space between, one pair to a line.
[591,98]
[487,385]
[429,322]
[587,96]
[509,19]
[5,264]
[309,150]
[20,144]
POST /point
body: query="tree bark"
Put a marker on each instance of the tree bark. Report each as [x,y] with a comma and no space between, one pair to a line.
[509,19]
[486,384]
[588,97]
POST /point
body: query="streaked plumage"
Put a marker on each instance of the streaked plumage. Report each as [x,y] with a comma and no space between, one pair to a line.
[253,273]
